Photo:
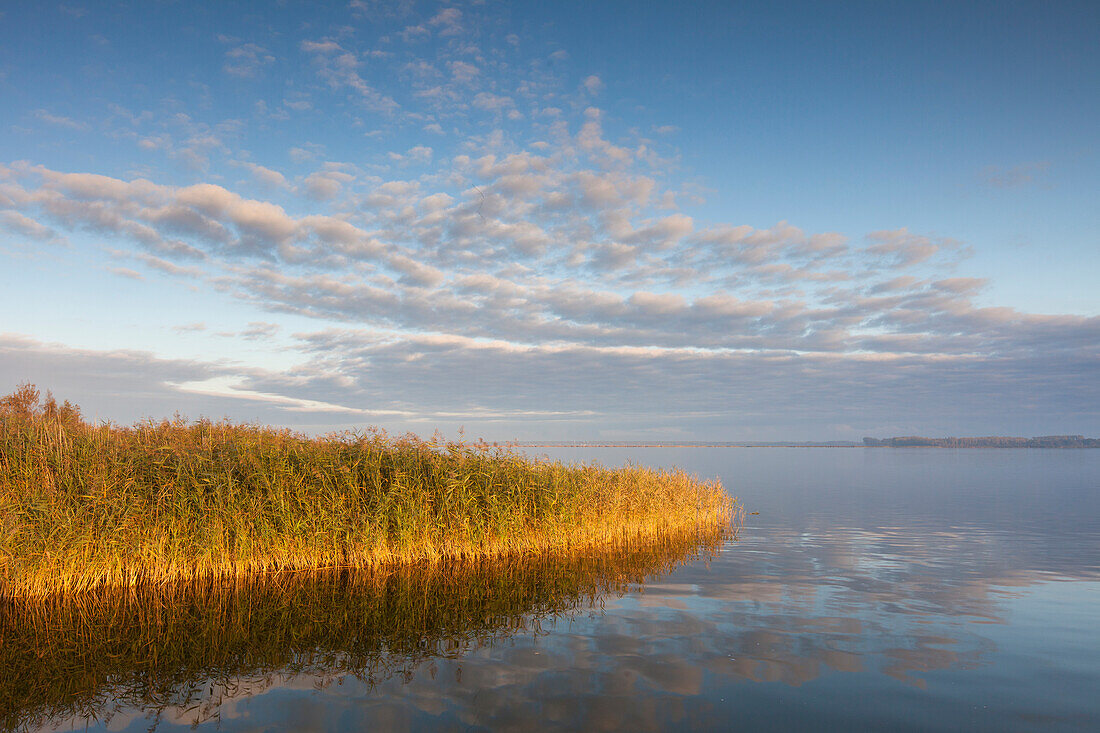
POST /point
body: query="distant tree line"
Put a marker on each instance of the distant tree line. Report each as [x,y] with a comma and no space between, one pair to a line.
[995,441]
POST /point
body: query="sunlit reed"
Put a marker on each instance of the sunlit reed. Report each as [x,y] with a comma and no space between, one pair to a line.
[87,506]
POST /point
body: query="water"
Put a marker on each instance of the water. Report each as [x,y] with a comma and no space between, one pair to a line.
[891,589]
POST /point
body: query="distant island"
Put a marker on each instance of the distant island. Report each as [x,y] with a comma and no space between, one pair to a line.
[995,441]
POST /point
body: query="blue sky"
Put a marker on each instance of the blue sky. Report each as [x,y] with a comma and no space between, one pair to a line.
[556,220]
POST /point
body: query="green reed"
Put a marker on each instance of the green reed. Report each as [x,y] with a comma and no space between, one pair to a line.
[86,506]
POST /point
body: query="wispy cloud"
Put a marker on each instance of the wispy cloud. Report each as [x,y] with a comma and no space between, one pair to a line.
[17,223]
[126,272]
[59,120]
[246,60]
[1016,176]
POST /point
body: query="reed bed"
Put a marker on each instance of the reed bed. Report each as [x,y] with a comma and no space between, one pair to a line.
[87,506]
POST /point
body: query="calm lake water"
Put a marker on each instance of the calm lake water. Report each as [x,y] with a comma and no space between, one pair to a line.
[888,589]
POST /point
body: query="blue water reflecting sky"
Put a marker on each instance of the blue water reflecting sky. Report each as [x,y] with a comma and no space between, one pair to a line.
[887,589]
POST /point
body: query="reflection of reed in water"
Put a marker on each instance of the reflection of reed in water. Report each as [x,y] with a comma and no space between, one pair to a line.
[182,648]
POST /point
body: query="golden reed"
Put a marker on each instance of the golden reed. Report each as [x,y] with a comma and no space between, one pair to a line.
[84,506]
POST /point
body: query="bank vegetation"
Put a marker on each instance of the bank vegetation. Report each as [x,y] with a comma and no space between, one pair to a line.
[86,506]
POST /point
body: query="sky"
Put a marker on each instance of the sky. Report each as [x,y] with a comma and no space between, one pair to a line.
[556,220]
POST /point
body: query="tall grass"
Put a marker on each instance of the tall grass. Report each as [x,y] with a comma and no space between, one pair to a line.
[87,506]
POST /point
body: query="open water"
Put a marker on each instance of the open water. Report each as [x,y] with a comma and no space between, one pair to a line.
[872,589]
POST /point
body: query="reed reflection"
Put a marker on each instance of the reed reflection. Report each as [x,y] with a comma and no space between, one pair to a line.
[185,650]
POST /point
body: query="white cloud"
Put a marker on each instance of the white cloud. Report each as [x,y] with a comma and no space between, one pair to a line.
[16,223]
[593,85]
[246,60]
[1016,176]
[448,21]
[260,330]
[904,248]
[492,102]
[414,33]
[59,120]
[266,176]
[463,72]
[304,154]
[340,69]
[419,154]
[327,183]
[126,273]
[323,47]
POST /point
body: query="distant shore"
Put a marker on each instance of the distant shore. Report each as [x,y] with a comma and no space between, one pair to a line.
[662,444]
[1063,442]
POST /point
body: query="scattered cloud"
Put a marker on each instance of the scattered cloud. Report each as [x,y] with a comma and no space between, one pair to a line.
[323,47]
[1016,176]
[246,60]
[305,153]
[340,70]
[59,120]
[421,154]
[327,183]
[126,272]
[562,246]
[73,11]
[259,330]
[16,223]
[265,176]
[463,72]
[903,248]
[495,229]
[593,85]
[447,21]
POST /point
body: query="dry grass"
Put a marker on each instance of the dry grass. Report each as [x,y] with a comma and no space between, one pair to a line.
[85,507]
